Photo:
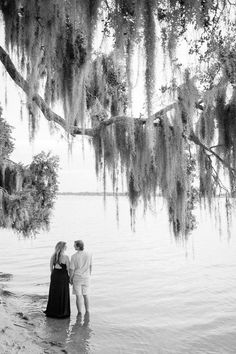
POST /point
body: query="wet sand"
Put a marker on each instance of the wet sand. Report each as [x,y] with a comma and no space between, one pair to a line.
[18,329]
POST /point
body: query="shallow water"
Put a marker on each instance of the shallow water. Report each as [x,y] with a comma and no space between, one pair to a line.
[149,293]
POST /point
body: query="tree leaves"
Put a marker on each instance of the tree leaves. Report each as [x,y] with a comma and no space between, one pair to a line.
[27,193]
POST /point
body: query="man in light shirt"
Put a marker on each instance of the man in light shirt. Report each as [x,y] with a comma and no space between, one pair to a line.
[80,271]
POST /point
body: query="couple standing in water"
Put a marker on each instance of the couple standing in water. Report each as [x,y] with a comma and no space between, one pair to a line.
[64,272]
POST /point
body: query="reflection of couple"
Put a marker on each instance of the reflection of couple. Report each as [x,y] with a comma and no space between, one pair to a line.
[77,272]
[72,339]
[79,335]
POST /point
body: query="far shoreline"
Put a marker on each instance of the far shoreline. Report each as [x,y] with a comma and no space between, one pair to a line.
[111,194]
[92,194]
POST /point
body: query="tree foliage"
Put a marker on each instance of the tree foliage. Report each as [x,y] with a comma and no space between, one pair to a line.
[27,193]
[90,55]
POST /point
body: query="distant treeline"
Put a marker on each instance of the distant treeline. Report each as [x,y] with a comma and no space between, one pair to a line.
[92,193]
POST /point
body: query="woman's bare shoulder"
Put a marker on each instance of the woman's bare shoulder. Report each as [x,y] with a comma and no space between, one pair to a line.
[65,257]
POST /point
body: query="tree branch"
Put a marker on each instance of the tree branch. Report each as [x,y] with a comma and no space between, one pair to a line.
[4,191]
[107,5]
[39,101]
[52,116]
[10,68]
[216,177]
[192,137]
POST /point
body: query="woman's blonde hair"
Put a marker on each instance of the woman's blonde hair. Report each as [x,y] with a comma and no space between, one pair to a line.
[58,249]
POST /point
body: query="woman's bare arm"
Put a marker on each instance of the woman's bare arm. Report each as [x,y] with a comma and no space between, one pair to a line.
[51,264]
[67,265]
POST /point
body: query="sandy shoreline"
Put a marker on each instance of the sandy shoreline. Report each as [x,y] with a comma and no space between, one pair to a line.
[18,331]
[16,336]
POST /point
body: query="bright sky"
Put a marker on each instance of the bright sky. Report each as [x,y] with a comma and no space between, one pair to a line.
[77,173]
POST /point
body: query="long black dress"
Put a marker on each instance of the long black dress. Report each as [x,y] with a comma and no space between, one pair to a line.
[58,305]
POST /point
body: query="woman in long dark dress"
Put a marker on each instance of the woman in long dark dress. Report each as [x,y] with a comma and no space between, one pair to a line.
[58,305]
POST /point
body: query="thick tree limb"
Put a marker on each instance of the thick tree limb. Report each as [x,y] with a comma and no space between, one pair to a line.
[10,68]
[157,115]
[39,101]
[52,116]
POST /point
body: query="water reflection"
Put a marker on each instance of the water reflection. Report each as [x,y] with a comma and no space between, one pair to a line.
[80,334]
[56,331]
